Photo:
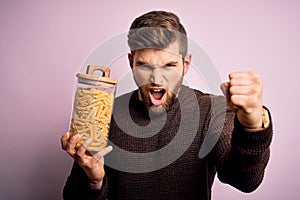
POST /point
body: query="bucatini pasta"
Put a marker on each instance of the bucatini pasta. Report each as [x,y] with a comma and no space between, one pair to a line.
[91,116]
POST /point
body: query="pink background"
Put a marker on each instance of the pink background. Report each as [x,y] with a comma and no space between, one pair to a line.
[44,43]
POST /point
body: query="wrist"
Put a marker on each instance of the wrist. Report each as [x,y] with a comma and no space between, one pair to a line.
[264,122]
[95,184]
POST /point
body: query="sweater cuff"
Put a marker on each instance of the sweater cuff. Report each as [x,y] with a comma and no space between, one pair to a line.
[252,142]
[77,186]
[95,193]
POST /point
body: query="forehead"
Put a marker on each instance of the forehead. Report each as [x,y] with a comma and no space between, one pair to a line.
[158,56]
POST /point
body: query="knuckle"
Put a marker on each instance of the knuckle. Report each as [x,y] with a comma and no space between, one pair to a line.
[251,73]
[256,77]
[73,139]
[256,90]
[232,75]
[232,81]
[64,141]
[248,110]
[63,144]
[260,81]
[69,151]
[253,89]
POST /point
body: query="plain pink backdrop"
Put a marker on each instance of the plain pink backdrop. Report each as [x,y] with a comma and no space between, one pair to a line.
[44,43]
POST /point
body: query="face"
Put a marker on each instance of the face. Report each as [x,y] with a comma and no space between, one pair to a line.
[159,74]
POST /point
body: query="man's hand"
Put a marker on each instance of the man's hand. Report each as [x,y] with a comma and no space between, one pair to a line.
[92,164]
[244,96]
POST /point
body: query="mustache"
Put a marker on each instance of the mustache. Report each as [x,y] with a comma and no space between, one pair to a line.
[144,93]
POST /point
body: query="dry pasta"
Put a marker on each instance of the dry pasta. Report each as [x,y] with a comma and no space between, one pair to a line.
[91,116]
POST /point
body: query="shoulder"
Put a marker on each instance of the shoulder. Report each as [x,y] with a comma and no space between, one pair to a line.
[126,98]
[128,103]
[204,99]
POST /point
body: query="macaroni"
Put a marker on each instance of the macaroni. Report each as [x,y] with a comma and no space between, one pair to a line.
[91,116]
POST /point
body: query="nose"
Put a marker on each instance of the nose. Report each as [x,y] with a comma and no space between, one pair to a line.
[157,76]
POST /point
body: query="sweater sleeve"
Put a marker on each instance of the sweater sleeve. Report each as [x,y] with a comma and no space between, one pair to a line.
[243,156]
[76,186]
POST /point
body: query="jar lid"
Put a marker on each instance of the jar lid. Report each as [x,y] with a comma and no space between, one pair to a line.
[91,79]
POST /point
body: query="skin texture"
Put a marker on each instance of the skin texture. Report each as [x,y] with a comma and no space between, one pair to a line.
[92,164]
[244,96]
[155,69]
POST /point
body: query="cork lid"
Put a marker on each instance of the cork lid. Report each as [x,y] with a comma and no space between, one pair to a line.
[91,79]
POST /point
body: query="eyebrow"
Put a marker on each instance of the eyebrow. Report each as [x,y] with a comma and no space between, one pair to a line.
[138,63]
[141,63]
[172,63]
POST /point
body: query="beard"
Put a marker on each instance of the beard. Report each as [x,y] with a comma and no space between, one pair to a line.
[170,96]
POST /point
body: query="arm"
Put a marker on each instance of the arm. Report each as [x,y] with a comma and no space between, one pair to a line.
[243,149]
[77,186]
[86,180]
[243,156]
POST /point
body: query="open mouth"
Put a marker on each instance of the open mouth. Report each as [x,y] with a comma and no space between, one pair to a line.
[157,96]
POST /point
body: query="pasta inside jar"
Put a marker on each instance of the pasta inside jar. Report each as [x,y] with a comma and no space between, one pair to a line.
[92,108]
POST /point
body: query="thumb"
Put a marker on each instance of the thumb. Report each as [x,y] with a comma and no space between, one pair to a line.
[64,140]
[224,87]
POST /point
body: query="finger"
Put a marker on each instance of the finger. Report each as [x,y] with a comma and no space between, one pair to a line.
[242,74]
[225,90]
[72,144]
[247,104]
[241,90]
[99,156]
[64,140]
[240,82]
[244,78]
[238,100]
[82,149]
[224,87]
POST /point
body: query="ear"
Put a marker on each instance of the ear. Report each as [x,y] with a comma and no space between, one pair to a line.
[187,63]
[130,59]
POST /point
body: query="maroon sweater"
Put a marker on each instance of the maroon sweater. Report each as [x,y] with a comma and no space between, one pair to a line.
[167,164]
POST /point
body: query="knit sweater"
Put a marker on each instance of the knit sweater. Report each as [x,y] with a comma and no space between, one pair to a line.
[198,138]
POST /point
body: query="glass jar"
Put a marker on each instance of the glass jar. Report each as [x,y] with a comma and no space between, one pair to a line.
[93,106]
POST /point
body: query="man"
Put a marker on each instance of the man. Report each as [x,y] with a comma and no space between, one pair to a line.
[237,136]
